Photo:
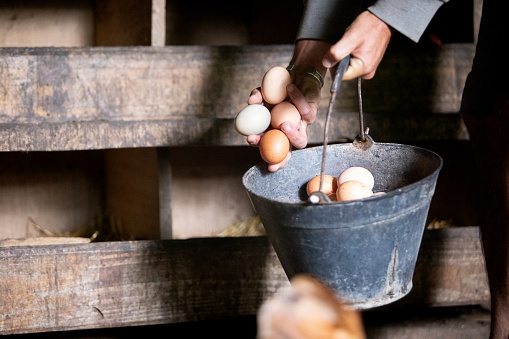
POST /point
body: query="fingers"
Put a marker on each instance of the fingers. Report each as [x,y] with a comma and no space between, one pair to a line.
[307,107]
[336,53]
[295,134]
[365,40]
[340,50]
[356,67]
[255,97]
[304,93]
[276,167]
[254,139]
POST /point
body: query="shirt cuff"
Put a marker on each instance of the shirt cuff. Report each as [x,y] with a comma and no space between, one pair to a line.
[409,17]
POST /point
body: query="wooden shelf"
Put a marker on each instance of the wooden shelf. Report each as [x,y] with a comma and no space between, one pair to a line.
[120,97]
[113,284]
[146,97]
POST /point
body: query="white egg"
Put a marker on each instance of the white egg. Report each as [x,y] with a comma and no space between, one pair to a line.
[253,119]
[357,173]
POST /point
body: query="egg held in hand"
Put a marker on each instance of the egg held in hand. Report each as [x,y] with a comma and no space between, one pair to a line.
[357,173]
[253,119]
[274,146]
[274,84]
[329,186]
[284,111]
[353,190]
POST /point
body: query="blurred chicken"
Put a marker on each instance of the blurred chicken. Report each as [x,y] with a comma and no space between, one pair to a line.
[310,310]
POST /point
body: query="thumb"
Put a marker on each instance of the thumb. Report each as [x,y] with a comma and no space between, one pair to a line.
[338,51]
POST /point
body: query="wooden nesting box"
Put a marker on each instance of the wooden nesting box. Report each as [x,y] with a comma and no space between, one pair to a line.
[129,122]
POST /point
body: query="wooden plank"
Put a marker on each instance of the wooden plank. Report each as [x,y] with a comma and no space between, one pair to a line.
[46,23]
[112,97]
[131,191]
[59,191]
[158,23]
[195,131]
[207,185]
[112,284]
[49,288]
[450,269]
[437,323]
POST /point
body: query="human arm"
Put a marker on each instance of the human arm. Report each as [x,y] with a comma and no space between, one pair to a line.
[304,93]
[312,43]
[367,38]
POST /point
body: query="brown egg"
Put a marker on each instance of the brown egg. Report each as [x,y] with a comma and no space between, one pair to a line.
[330,186]
[284,111]
[274,84]
[274,146]
[352,190]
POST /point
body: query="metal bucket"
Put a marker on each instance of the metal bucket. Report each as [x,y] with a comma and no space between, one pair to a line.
[366,249]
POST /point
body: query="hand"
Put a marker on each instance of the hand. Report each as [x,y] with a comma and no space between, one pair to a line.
[366,40]
[254,140]
[304,93]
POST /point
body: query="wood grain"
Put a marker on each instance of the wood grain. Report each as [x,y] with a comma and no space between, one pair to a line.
[112,284]
[113,97]
[450,265]
[60,191]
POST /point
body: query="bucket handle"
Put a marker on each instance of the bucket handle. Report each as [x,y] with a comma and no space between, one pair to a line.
[365,144]
[363,140]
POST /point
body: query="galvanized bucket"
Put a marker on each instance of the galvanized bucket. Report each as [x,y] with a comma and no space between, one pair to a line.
[366,249]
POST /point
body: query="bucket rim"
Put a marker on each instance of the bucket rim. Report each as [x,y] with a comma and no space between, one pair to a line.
[399,191]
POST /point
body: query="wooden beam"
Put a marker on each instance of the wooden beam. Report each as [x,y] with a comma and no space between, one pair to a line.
[112,97]
[63,287]
[131,191]
[158,23]
[450,270]
[196,131]
[113,284]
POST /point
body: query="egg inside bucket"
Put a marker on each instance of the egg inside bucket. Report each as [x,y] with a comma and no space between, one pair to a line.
[365,249]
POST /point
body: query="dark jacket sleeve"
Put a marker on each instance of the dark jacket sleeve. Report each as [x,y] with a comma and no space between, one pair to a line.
[328,19]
